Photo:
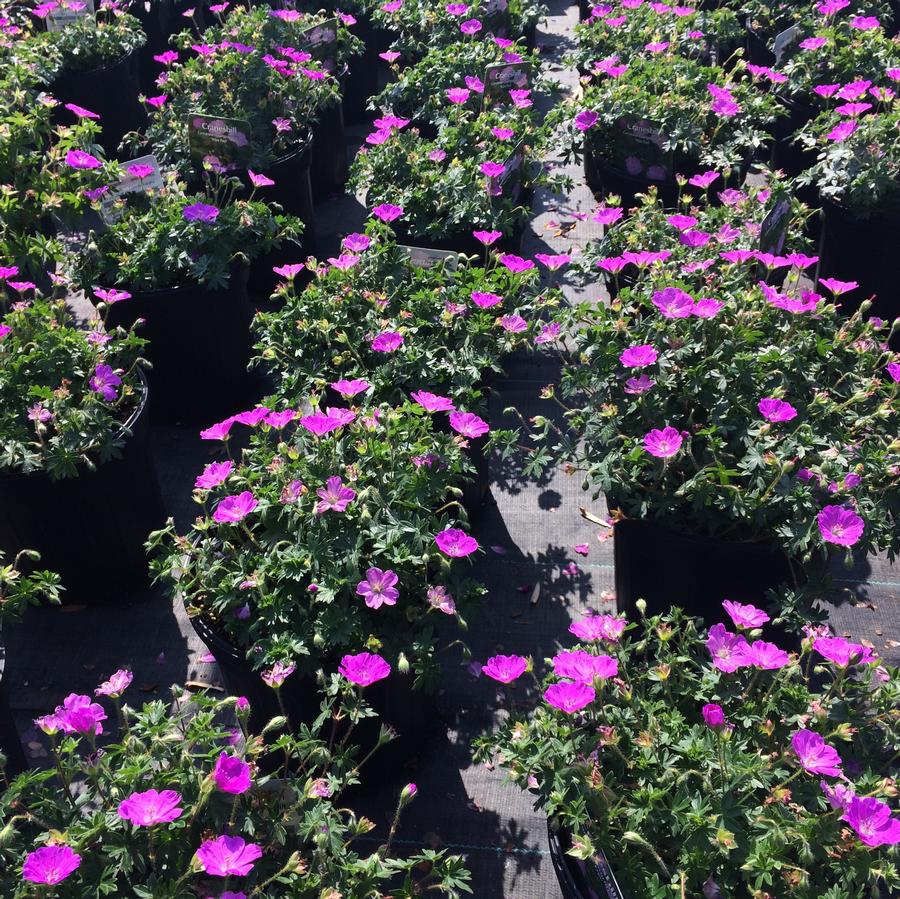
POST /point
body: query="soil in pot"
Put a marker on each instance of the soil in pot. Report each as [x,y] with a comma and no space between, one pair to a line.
[90,529]
[111,91]
[199,346]
[665,567]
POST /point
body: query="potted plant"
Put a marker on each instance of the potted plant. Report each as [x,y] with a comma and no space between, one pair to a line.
[662,114]
[20,586]
[335,532]
[857,174]
[741,432]
[179,263]
[178,803]
[92,60]
[73,446]
[673,762]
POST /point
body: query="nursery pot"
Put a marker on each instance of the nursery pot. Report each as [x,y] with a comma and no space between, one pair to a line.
[199,346]
[157,18]
[111,91]
[91,528]
[10,744]
[573,873]
[398,705]
[328,172]
[362,79]
[669,568]
[788,156]
[863,250]
[464,241]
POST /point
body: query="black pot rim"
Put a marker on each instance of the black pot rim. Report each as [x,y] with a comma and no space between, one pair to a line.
[99,70]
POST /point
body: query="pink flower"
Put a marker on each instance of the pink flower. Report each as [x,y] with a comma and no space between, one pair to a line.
[813,43]
[455,543]
[838,287]
[439,598]
[515,324]
[586,119]
[278,420]
[723,104]
[726,649]
[584,667]
[235,508]
[681,222]
[694,239]
[707,307]
[357,243]
[228,856]
[703,180]
[608,215]
[815,755]
[485,300]
[468,424]
[259,180]
[231,775]
[745,616]
[843,652]
[81,112]
[515,264]
[320,424]
[487,237]
[864,23]
[50,864]
[773,409]
[218,431]
[200,212]
[387,342]
[149,808]
[344,262]
[840,525]
[112,295]
[278,674]
[457,95]
[350,388]
[639,356]
[582,549]
[842,130]
[673,303]
[470,26]
[548,333]
[117,684]
[252,417]
[505,669]
[839,796]
[598,627]
[378,588]
[334,496]
[390,56]
[893,369]
[431,402]
[289,271]
[713,716]
[364,668]
[872,821]
[763,655]
[105,381]
[554,262]
[569,698]
[639,385]
[492,169]
[167,58]
[78,159]
[78,715]
[387,212]
[502,133]
[157,102]
[663,443]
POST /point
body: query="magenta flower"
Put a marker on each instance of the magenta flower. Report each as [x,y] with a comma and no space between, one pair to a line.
[663,443]
[554,261]
[218,431]
[773,409]
[713,716]
[278,674]
[694,239]
[893,369]
[252,417]
[81,112]
[431,402]
[200,212]
[723,103]
[117,684]
[437,155]
[872,821]
[548,333]
[468,424]
[515,264]
[36,412]
[586,119]
[78,159]
[505,669]
[379,588]
[289,271]
[598,627]
[455,543]
[149,808]
[105,381]
[485,300]
[344,262]
[334,496]
[583,667]
[458,95]
[487,237]
[231,775]
[707,307]
[745,616]
[843,652]
[320,424]
[356,243]
[639,385]
[815,755]
[569,698]
[502,133]
[158,101]
[864,23]
[387,212]
[840,525]
[726,649]
[842,130]
[470,26]
[638,356]
[364,668]
[765,656]
[703,180]
[235,508]
[50,864]
[839,796]
[608,215]
[441,599]
[838,287]
[167,58]
[278,420]
[673,303]
[112,295]
[492,169]
[350,388]
[78,715]
[515,324]
[228,856]
[681,222]
[387,342]
[258,180]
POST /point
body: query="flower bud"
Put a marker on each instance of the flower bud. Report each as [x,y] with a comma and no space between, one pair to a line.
[407,794]
[641,606]
[403,664]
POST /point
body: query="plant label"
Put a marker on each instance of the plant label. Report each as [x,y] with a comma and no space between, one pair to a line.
[508,183]
[636,146]
[502,77]
[774,226]
[134,178]
[601,878]
[783,40]
[67,12]
[496,17]
[321,41]
[423,257]
[221,144]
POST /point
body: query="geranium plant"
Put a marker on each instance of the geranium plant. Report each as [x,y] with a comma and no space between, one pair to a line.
[21,585]
[66,392]
[375,313]
[336,531]
[177,804]
[713,764]
[165,236]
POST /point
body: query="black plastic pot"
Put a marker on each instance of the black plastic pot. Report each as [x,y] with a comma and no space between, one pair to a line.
[157,18]
[328,172]
[863,250]
[464,241]
[665,568]
[362,79]
[199,345]
[603,179]
[786,155]
[572,873]
[110,91]
[758,50]
[90,529]
[409,712]
[10,744]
